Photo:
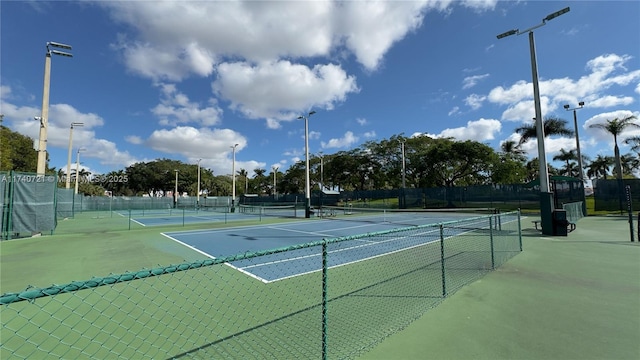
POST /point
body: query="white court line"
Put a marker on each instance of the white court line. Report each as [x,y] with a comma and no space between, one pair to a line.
[299,231]
[137,222]
[213,257]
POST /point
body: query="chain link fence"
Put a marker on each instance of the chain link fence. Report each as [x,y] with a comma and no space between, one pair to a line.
[334,298]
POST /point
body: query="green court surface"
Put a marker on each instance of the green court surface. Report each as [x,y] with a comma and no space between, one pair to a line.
[92,244]
[574,297]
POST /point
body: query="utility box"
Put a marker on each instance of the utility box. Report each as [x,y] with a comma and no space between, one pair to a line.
[560,223]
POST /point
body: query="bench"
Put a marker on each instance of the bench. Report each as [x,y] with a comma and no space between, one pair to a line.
[570,225]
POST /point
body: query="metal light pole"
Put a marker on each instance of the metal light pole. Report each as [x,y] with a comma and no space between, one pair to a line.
[78,168]
[175,193]
[575,125]
[403,205]
[233,181]
[68,180]
[44,116]
[198,188]
[546,197]
[321,171]
[307,191]
[404,165]
[275,188]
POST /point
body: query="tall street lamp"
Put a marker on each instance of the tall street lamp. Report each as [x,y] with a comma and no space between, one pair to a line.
[307,191]
[198,187]
[68,180]
[44,117]
[546,197]
[321,171]
[404,174]
[275,188]
[233,181]
[175,193]
[575,125]
[78,168]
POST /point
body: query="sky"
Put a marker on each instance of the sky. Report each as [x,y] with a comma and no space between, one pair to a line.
[187,80]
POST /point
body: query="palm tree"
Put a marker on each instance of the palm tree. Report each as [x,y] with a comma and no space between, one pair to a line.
[615,127]
[634,141]
[510,149]
[566,156]
[245,175]
[630,163]
[600,167]
[551,126]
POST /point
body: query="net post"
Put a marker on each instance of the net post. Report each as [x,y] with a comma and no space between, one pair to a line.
[325,302]
[442,267]
[129,218]
[519,231]
[183,210]
[493,254]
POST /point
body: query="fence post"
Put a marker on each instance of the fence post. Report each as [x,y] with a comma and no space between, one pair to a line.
[325,302]
[630,211]
[493,258]
[519,231]
[444,283]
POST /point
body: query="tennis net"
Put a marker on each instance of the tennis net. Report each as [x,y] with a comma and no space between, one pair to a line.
[409,217]
[276,211]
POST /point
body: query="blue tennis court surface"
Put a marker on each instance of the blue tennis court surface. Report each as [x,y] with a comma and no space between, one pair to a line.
[217,243]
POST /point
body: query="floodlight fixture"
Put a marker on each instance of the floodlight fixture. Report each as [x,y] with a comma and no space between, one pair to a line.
[581,103]
[59,45]
[566,106]
[61,53]
[508,33]
[556,14]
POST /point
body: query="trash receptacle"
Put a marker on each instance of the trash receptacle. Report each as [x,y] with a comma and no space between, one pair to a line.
[560,222]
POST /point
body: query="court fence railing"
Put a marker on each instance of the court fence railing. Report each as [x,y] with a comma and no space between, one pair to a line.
[335,298]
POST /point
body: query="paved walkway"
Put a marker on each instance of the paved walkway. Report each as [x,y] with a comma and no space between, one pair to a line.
[574,297]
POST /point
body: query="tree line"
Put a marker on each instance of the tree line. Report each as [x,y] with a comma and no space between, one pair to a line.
[427,162]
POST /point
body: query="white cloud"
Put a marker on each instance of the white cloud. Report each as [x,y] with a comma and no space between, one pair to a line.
[455,110]
[525,110]
[471,81]
[479,130]
[176,108]
[281,90]
[58,131]
[369,135]
[254,31]
[362,121]
[609,101]
[346,141]
[638,88]
[132,139]
[474,101]
[213,146]
[605,71]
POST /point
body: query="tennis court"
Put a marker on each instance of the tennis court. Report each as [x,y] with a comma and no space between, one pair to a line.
[220,214]
[229,241]
[344,279]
